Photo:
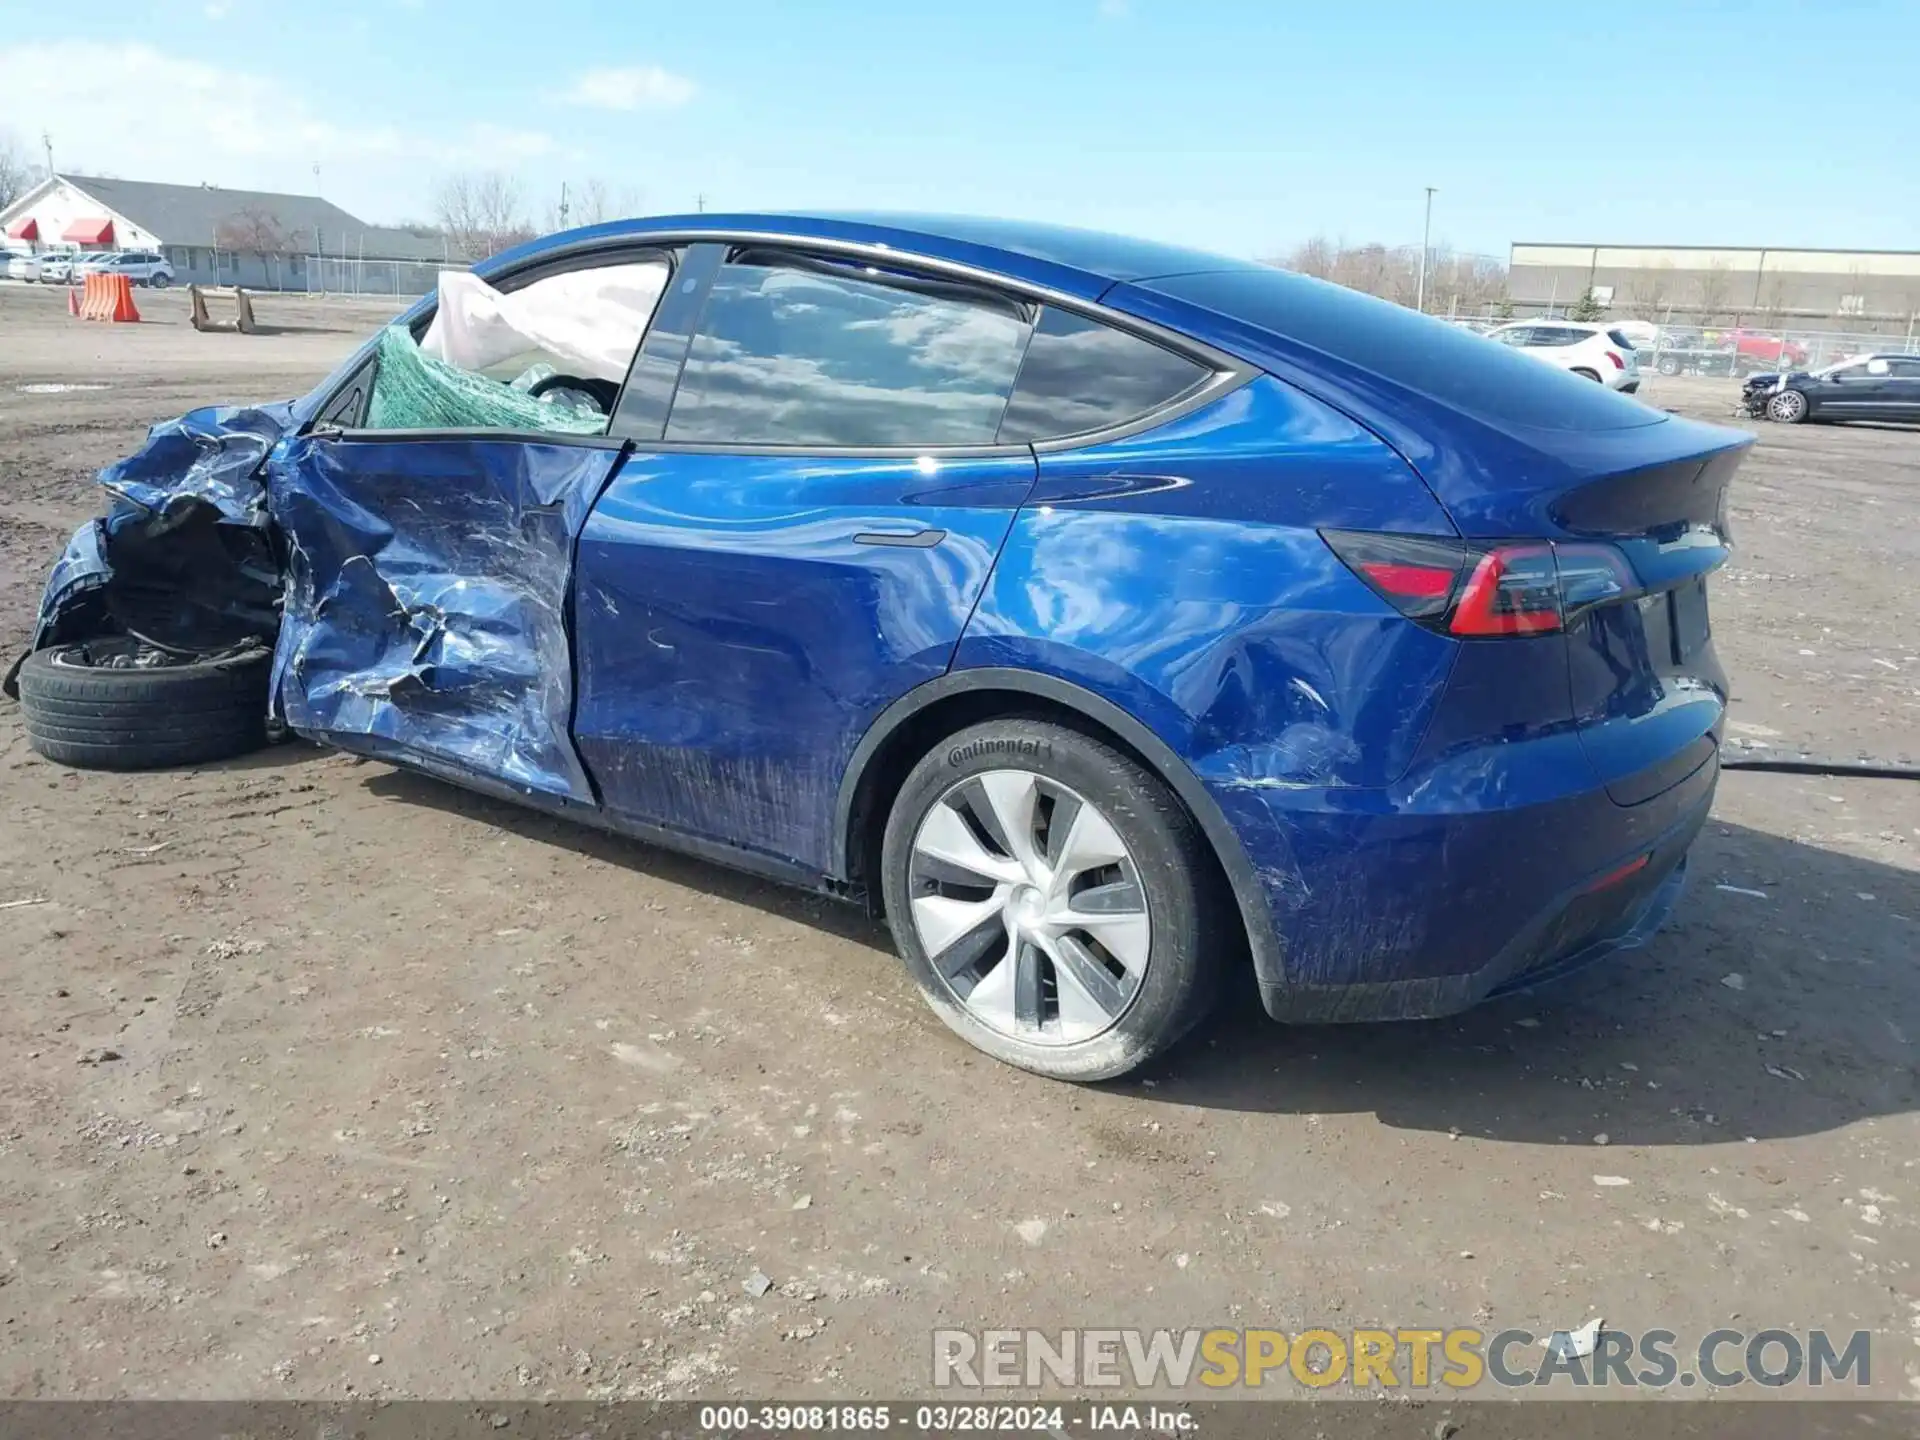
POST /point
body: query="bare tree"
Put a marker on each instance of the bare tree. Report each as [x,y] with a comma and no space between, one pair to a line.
[17,173]
[482,213]
[1651,293]
[1315,258]
[1713,289]
[592,202]
[258,231]
[1456,283]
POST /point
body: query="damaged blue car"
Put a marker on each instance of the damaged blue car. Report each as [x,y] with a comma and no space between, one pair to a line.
[1105,614]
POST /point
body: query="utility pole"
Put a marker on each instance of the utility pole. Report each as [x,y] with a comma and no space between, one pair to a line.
[316,180]
[563,204]
[47,141]
[700,203]
[1426,248]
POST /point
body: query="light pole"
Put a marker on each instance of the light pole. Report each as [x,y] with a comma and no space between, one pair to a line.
[1426,245]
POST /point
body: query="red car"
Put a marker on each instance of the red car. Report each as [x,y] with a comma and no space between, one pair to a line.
[1770,350]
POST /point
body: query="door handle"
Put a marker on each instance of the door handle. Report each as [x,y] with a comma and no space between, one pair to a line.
[924,539]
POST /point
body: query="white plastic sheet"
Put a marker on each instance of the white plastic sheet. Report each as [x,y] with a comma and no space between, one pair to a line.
[590,321]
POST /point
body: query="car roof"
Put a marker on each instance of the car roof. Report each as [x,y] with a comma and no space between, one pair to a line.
[1079,262]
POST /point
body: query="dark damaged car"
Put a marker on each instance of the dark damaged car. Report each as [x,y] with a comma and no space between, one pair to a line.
[1865,387]
[1108,615]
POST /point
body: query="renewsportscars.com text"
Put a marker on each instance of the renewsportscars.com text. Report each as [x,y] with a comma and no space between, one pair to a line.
[1401,1359]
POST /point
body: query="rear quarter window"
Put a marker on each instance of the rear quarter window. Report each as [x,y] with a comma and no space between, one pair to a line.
[1080,375]
[1494,383]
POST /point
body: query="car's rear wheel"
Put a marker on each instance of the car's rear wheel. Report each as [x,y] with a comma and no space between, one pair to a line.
[1053,899]
[118,704]
[1789,407]
[158,282]
[1668,365]
[1586,374]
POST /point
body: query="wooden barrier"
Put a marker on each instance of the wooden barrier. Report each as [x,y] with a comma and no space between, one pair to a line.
[242,322]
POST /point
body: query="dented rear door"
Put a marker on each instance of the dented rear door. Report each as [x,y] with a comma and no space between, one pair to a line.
[427,598]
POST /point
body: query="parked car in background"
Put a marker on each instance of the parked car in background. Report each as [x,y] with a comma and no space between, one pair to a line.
[1752,349]
[86,262]
[1866,387]
[142,267]
[1593,352]
[1641,334]
[56,267]
[1102,612]
[1678,351]
[21,266]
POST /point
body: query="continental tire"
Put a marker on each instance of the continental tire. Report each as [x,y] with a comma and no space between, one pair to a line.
[1055,902]
[142,718]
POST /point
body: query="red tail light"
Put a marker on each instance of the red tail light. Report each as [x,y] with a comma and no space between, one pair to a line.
[1618,363]
[1513,591]
[1484,591]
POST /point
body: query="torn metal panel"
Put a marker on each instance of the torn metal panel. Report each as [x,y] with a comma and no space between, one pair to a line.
[208,456]
[184,555]
[427,598]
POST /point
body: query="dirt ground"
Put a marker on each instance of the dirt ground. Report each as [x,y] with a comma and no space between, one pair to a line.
[417,1094]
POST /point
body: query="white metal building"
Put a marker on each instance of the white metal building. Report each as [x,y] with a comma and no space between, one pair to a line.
[1854,288]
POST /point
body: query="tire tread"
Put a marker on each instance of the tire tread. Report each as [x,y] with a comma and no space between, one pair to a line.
[110,719]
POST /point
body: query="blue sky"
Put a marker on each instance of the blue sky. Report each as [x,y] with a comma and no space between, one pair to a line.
[1235,124]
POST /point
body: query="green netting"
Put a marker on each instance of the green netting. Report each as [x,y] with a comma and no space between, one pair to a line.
[414,391]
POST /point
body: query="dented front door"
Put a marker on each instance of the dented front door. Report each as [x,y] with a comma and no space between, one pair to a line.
[428,576]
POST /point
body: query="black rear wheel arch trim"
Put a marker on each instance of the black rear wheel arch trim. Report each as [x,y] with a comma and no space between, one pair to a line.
[1248,893]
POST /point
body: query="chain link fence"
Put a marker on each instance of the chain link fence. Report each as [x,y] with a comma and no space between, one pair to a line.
[336,275]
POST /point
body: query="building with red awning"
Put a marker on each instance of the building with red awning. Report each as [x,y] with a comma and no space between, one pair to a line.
[90,232]
[213,235]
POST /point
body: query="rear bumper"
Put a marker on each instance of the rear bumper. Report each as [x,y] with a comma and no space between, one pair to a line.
[1411,915]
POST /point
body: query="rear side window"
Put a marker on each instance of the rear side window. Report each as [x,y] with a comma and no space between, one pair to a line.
[1622,339]
[1080,375]
[806,355]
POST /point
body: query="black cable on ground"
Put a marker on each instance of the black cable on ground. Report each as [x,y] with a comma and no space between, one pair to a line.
[1811,765]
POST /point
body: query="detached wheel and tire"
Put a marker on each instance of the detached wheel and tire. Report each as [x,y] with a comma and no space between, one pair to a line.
[1053,900]
[104,706]
[1789,407]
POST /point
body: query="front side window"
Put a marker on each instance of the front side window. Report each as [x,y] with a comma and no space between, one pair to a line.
[1080,375]
[549,355]
[828,355]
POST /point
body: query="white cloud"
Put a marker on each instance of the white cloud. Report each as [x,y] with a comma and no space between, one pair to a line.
[217,9]
[129,109]
[1114,9]
[630,87]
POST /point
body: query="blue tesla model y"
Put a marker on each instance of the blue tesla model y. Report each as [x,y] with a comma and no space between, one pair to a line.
[1106,614]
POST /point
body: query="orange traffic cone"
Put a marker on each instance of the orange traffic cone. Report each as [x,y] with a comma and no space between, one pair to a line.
[73,301]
